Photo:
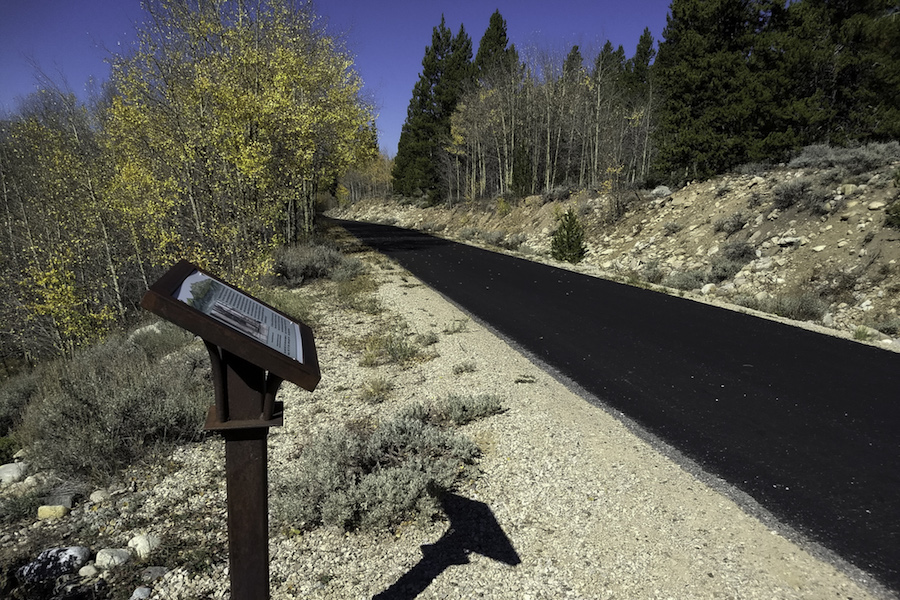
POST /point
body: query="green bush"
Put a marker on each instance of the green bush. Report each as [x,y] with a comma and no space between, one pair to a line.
[455,410]
[112,405]
[792,192]
[892,215]
[855,161]
[685,280]
[373,480]
[567,242]
[296,264]
[730,224]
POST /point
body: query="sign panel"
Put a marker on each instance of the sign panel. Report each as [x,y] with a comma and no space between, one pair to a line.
[241,312]
[235,321]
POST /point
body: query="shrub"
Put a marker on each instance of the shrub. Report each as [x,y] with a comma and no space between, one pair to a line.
[888,326]
[296,264]
[672,227]
[373,479]
[376,391]
[513,242]
[389,348]
[492,238]
[854,160]
[113,405]
[467,233]
[791,192]
[465,367]
[892,215]
[652,272]
[685,280]
[722,268]
[800,307]
[567,242]
[742,252]
[15,394]
[730,224]
[455,410]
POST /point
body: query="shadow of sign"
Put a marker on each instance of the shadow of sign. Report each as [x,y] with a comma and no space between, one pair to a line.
[473,528]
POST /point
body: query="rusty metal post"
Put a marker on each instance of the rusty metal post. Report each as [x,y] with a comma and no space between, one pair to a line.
[249,393]
[246,471]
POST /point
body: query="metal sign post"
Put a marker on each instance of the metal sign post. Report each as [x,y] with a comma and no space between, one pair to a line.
[252,349]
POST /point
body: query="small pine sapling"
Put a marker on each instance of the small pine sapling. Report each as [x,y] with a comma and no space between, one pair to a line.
[568,240]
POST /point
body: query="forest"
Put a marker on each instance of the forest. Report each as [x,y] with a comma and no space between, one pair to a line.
[214,139]
[731,83]
[210,142]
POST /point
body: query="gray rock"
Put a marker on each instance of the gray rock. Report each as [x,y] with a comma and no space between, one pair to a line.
[109,558]
[141,593]
[88,571]
[151,574]
[828,320]
[54,563]
[661,192]
[143,544]
[708,288]
[12,473]
[876,205]
[99,496]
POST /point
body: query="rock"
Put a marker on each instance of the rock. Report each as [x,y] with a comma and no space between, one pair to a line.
[787,241]
[54,563]
[47,512]
[876,205]
[109,558]
[151,574]
[866,305]
[143,545]
[67,500]
[661,192]
[141,593]
[99,496]
[848,189]
[707,289]
[848,215]
[12,473]
[818,248]
[828,320]
[88,571]
[761,296]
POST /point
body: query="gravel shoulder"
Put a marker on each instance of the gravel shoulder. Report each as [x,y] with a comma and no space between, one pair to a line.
[593,509]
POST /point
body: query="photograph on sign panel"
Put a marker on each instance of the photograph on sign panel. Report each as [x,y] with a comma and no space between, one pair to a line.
[242,313]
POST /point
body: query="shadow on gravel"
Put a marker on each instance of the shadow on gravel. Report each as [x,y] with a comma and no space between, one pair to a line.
[473,528]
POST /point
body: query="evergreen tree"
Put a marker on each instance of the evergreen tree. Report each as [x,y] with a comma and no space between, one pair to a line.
[703,71]
[446,73]
[494,58]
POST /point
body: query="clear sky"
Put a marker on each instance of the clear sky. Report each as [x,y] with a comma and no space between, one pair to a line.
[69,40]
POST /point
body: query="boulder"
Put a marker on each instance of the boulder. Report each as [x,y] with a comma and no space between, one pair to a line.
[52,511]
[109,558]
[12,473]
[661,192]
[143,544]
[54,563]
[876,205]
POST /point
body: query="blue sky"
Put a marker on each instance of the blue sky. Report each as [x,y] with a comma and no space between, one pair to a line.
[69,40]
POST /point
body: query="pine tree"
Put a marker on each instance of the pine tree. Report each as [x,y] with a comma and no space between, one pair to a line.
[703,71]
[446,73]
[567,242]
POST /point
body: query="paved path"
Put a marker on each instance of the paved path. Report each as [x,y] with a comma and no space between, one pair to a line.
[807,424]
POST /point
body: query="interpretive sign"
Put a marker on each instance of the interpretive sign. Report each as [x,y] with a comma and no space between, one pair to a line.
[252,349]
[235,321]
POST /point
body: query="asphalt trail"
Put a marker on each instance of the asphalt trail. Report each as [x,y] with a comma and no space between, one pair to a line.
[806,424]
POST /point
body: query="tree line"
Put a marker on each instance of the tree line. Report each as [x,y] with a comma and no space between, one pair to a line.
[732,82]
[210,142]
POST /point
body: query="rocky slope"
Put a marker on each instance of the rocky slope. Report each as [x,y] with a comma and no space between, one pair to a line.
[810,244]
